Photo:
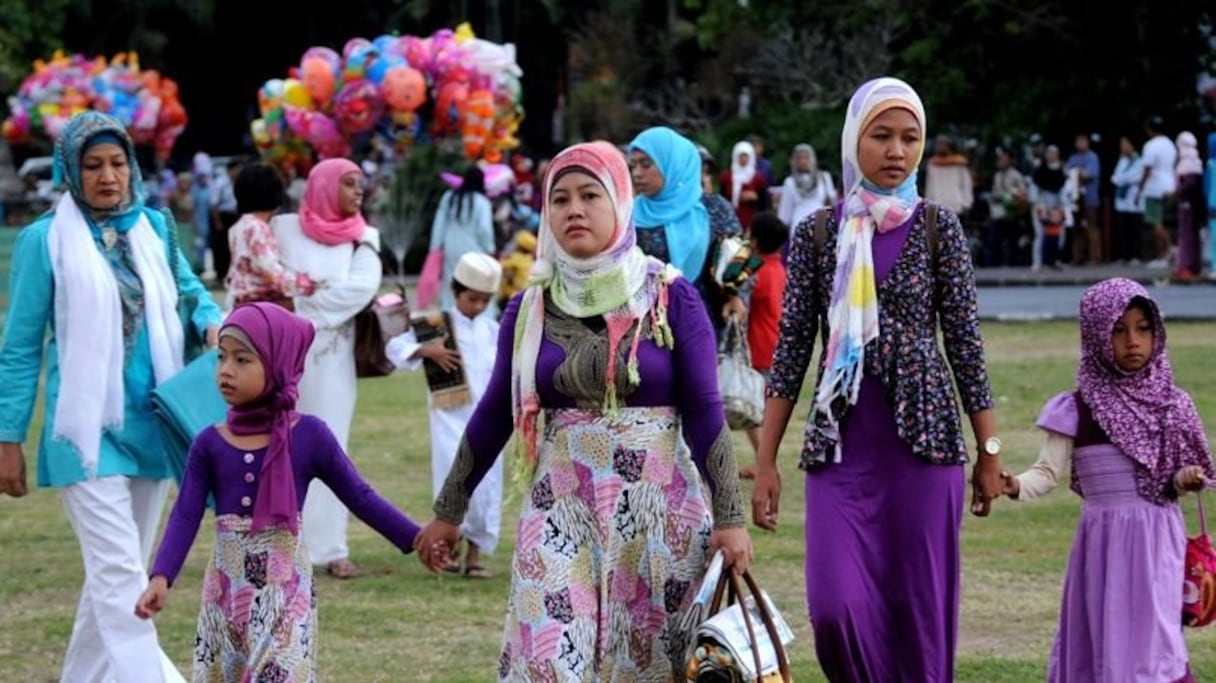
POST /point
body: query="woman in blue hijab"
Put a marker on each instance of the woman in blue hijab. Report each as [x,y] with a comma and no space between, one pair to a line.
[673,214]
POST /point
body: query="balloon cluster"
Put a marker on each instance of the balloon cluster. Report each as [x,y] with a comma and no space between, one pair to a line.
[144,101]
[401,90]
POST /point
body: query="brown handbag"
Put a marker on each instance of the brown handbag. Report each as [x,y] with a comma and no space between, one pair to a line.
[705,669]
[385,317]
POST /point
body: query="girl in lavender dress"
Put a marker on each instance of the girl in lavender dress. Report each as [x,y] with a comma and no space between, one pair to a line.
[884,448]
[1131,442]
[258,617]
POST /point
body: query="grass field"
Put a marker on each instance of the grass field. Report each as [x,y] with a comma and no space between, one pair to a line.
[399,623]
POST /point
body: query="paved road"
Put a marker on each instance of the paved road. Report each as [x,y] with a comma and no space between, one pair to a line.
[1060,302]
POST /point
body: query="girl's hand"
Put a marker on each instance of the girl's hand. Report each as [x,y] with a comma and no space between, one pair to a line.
[435,542]
[1190,478]
[213,336]
[1010,486]
[153,599]
[736,547]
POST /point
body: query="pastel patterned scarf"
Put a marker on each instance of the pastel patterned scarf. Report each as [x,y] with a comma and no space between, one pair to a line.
[853,311]
[621,284]
[1144,413]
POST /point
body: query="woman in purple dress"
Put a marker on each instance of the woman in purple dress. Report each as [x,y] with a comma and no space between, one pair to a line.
[611,346]
[1131,442]
[884,448]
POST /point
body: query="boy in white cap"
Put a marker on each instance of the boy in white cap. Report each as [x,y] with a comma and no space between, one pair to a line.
[475,283]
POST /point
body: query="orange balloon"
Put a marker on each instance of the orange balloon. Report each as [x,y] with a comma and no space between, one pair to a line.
[403,88]
[319,78]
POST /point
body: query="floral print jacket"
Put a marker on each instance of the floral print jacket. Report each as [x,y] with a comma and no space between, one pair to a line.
[913,298]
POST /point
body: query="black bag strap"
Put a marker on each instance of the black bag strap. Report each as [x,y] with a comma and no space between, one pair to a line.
[821,229]
[931,231]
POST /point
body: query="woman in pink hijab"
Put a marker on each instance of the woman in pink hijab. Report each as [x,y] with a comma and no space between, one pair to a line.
[329,241]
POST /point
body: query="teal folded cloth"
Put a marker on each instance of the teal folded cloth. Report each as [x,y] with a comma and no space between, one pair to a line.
[186,404]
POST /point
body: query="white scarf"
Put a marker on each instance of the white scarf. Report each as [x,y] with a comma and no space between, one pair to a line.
[88,326]
[741,174]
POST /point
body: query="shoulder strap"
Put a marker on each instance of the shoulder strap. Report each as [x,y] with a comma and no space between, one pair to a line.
[931,230]
[821,229]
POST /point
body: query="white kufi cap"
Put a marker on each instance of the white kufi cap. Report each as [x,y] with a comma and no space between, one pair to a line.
[479,272]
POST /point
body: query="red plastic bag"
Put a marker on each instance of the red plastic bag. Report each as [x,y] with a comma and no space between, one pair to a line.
[1199,584]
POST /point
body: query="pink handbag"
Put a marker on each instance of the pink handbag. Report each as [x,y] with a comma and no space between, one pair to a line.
[1199,583]
[429,280]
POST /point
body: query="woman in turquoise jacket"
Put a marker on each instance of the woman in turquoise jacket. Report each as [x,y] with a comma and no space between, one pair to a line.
[97,272]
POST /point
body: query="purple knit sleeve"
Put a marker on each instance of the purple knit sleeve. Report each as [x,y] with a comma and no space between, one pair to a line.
[188,510]
[488,429]
[1059,415]
[702,417]
[332,466]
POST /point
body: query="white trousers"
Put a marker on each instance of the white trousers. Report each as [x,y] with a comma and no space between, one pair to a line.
[324,525]
[115,520]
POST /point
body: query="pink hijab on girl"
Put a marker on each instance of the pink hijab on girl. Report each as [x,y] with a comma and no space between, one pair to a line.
[321,216]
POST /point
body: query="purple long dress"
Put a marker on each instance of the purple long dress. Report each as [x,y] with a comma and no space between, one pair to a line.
[1121,610]
[882,536]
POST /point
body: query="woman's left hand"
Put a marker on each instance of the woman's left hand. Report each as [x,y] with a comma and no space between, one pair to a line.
[986,484]
[736,546]
[213,336]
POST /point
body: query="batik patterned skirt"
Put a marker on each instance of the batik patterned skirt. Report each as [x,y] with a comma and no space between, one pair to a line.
[258,618]
[611,548]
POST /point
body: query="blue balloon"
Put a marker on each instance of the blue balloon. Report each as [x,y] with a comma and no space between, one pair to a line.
[385,43]
[380,67]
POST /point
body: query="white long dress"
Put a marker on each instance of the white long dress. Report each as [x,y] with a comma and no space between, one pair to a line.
[477,341]
[351,278]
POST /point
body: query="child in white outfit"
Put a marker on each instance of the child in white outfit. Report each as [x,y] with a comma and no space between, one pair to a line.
[475,283]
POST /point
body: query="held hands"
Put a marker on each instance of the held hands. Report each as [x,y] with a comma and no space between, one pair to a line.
[1190,478]
[736,547]
[153,599]
[986,484]
[434,544]
[12,470]
[448,359]
[1010,485]
[766,494]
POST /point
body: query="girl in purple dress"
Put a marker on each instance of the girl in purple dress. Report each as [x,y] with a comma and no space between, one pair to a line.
[884,448]
[258,615]
[601,361]
[1131,442]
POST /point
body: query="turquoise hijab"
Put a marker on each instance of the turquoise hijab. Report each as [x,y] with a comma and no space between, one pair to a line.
[677,208]
[83,131]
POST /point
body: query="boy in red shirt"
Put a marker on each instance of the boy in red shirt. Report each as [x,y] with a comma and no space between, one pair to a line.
[768,236]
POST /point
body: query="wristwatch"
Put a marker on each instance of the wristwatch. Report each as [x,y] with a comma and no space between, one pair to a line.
[991,446]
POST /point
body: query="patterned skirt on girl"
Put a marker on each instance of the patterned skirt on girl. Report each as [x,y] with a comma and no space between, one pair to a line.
[594,596]
[258,618]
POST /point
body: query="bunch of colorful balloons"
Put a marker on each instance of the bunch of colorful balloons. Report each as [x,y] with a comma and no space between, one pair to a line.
[144,101]
[395,90]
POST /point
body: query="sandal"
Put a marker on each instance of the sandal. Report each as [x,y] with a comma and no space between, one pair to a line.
[342,569]
[476,571]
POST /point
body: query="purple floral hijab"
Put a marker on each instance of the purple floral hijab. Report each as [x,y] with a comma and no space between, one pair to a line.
[1145,415]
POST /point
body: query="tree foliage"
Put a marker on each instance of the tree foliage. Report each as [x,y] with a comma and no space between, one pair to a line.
[28,31]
